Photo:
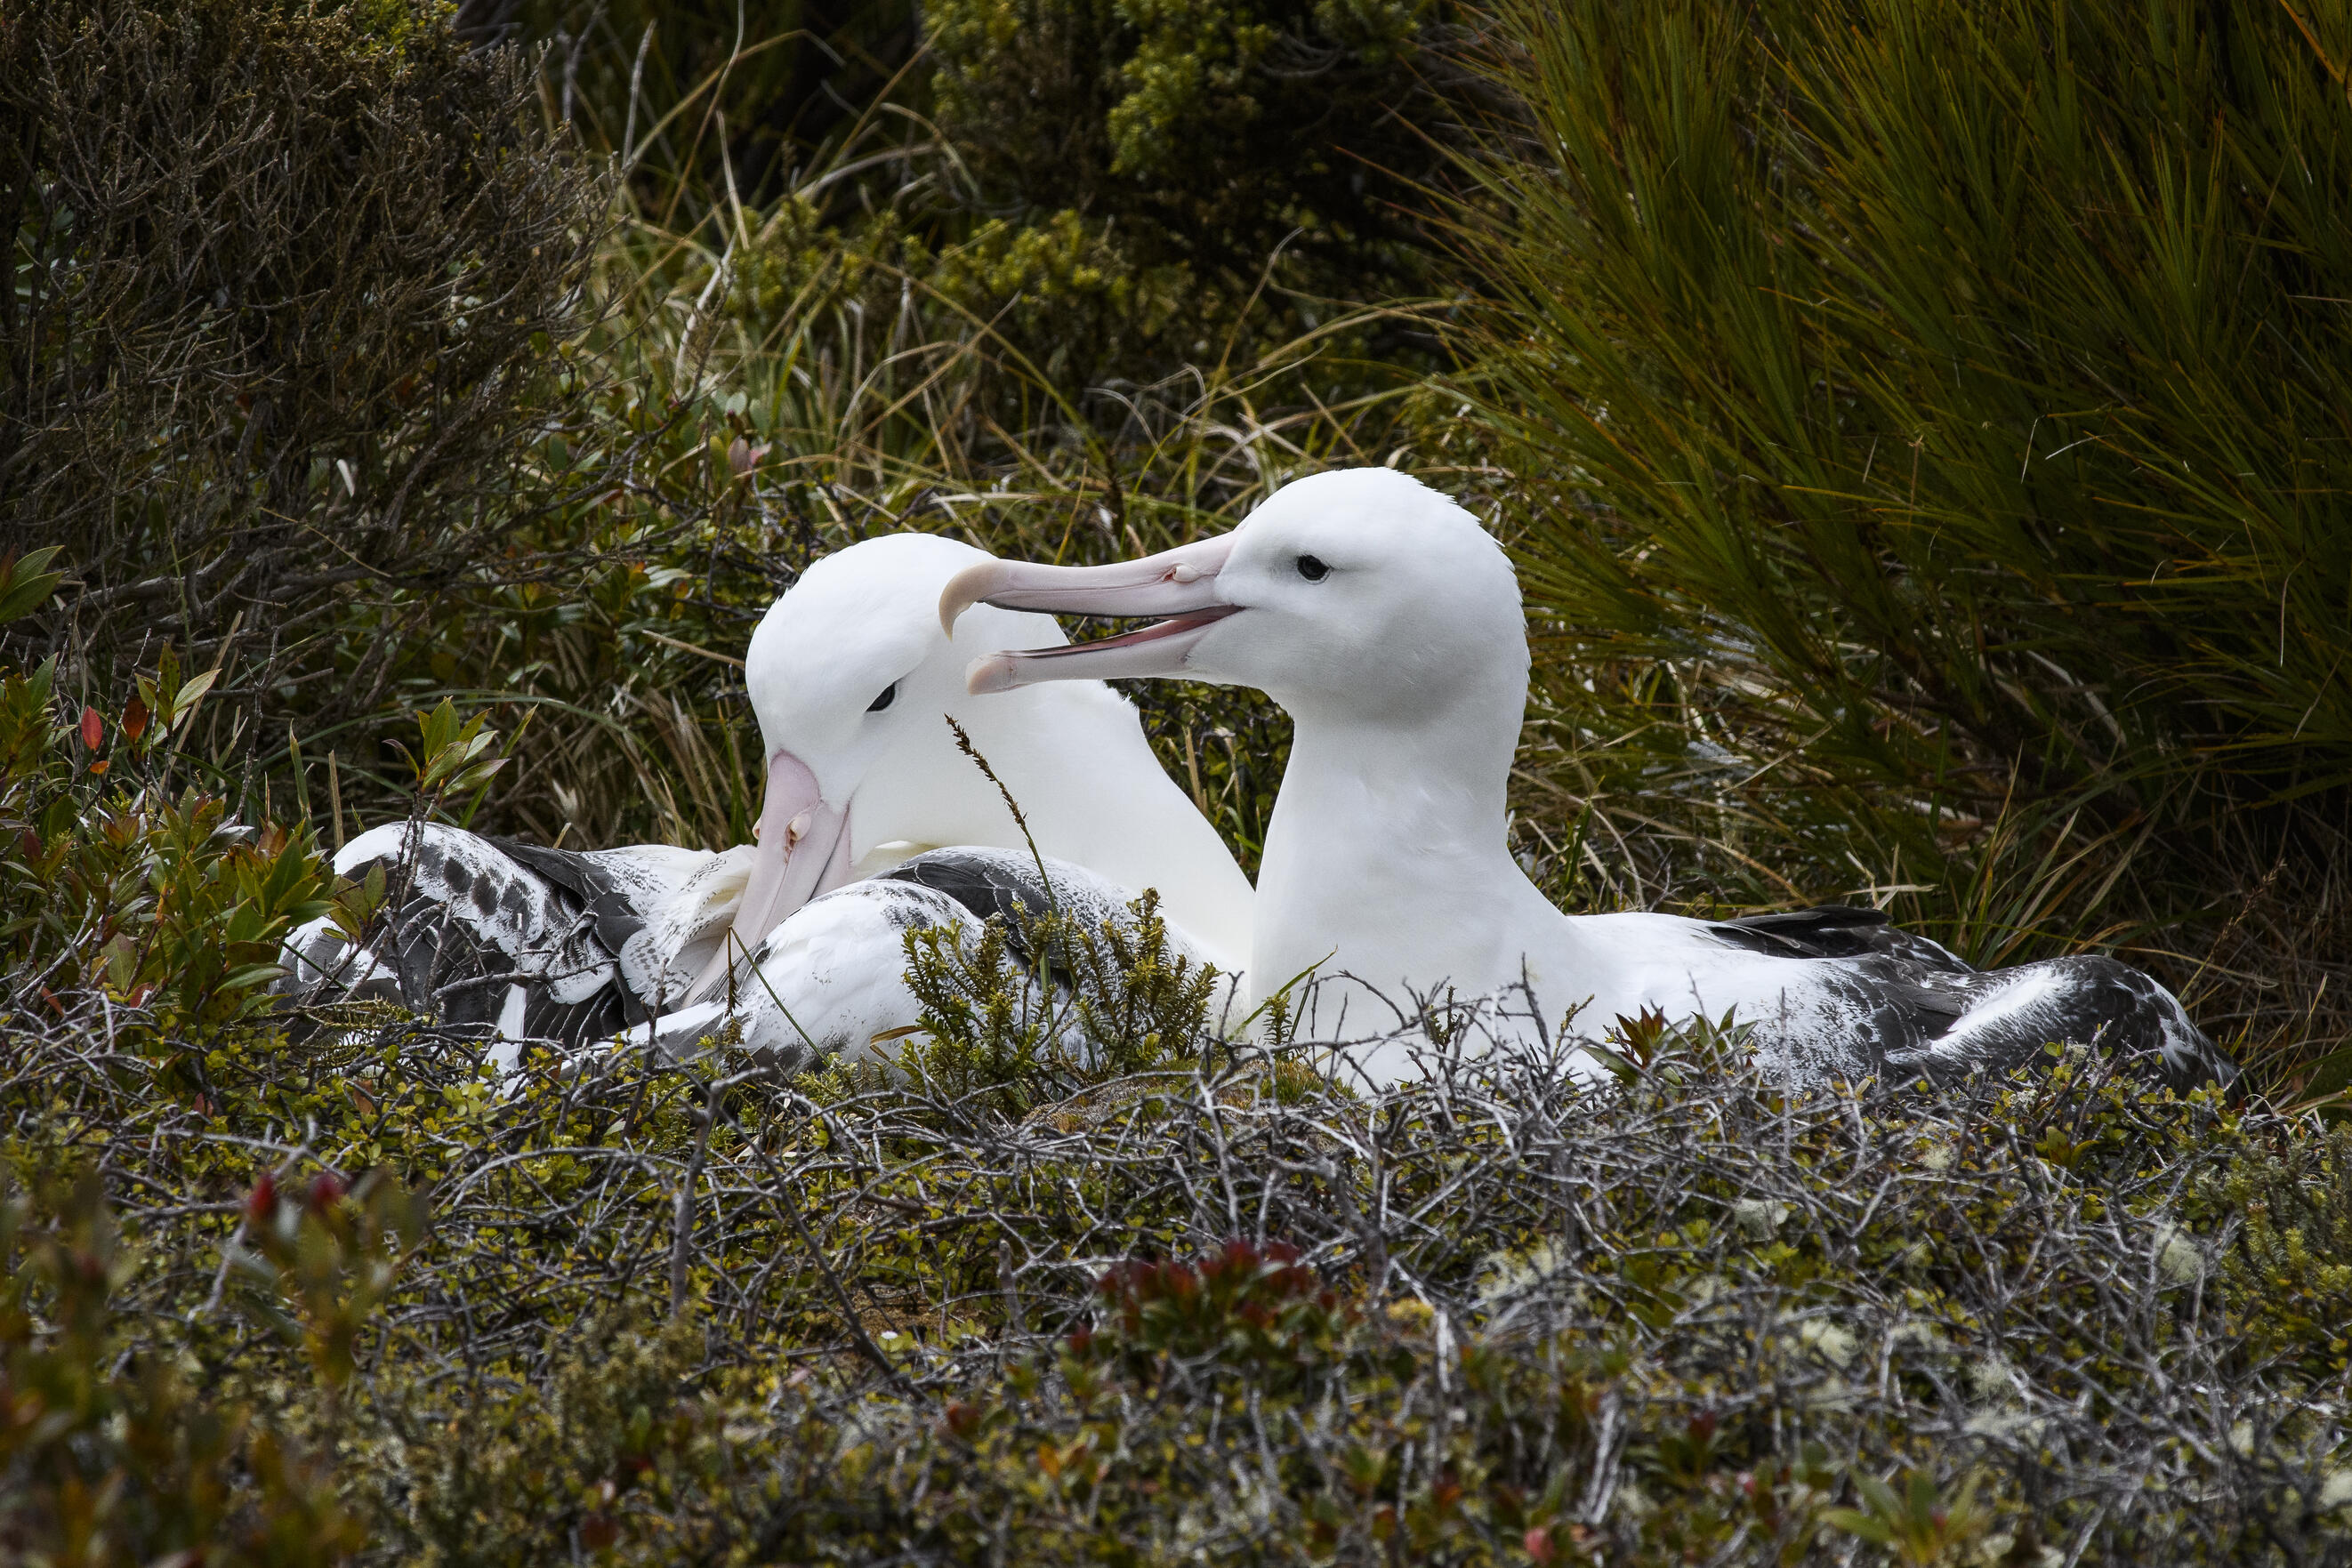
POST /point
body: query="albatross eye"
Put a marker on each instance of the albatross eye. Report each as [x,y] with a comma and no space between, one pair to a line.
[1312,570]
[889,694]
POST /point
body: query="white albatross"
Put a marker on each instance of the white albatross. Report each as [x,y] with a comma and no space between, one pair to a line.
[1388,624]
[872,822]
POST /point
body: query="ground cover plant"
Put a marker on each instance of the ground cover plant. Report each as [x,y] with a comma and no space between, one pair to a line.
[316,1286]
[1222,1311]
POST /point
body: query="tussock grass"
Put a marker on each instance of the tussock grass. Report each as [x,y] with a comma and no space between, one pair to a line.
[1923,428]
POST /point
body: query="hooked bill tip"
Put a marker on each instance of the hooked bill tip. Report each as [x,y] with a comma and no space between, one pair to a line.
[993,672]
[966,588]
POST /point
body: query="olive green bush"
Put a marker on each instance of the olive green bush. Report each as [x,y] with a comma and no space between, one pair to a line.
[991,1042]
[285,283]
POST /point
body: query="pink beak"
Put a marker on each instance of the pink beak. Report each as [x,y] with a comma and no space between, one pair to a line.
[1180,583]
[804,852]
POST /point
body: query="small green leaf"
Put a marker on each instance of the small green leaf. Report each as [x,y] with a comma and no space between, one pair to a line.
[251,974]
[191,692]
[25,586]
[1861,1524]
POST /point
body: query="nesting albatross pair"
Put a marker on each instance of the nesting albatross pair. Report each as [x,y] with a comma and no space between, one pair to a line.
[1388,624]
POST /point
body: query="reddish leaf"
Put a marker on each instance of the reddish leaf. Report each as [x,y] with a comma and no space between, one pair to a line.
[134,718]
[93,728]
[326,1191]
[1538,1544]
[264,1201]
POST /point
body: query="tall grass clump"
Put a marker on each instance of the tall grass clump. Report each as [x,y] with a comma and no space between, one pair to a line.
[1120,193]
[1929,426]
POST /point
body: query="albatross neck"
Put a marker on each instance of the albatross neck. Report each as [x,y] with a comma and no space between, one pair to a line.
[1388,847]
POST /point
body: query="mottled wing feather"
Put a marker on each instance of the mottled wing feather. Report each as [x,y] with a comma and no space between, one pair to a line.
[1865,997]
[989,886]
[2087,999]
[1018,889]
[596,888]
[689,899]
[466,919]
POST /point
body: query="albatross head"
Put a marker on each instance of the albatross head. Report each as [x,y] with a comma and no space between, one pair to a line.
[1362,594]
[849,667]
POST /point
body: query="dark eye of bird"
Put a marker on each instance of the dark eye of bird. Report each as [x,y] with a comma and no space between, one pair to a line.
[1312,570]
[889,694]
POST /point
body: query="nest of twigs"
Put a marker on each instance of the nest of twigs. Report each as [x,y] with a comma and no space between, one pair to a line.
[1232,1313]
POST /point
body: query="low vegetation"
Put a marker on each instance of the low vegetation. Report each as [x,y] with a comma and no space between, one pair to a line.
[546,369]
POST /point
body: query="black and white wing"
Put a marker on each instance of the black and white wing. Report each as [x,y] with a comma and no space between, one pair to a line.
[575,946]
[533,943]
[1835,931]
[1866,998]
[2010,1015]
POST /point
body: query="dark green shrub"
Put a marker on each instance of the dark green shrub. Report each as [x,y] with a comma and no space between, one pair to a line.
[284,279]
[1146,164]
[614,1453]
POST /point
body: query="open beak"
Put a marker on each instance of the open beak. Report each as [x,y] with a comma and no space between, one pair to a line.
[804,851]
[1180,584]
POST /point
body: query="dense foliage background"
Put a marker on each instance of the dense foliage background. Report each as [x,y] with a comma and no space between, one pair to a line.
[1922,431]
